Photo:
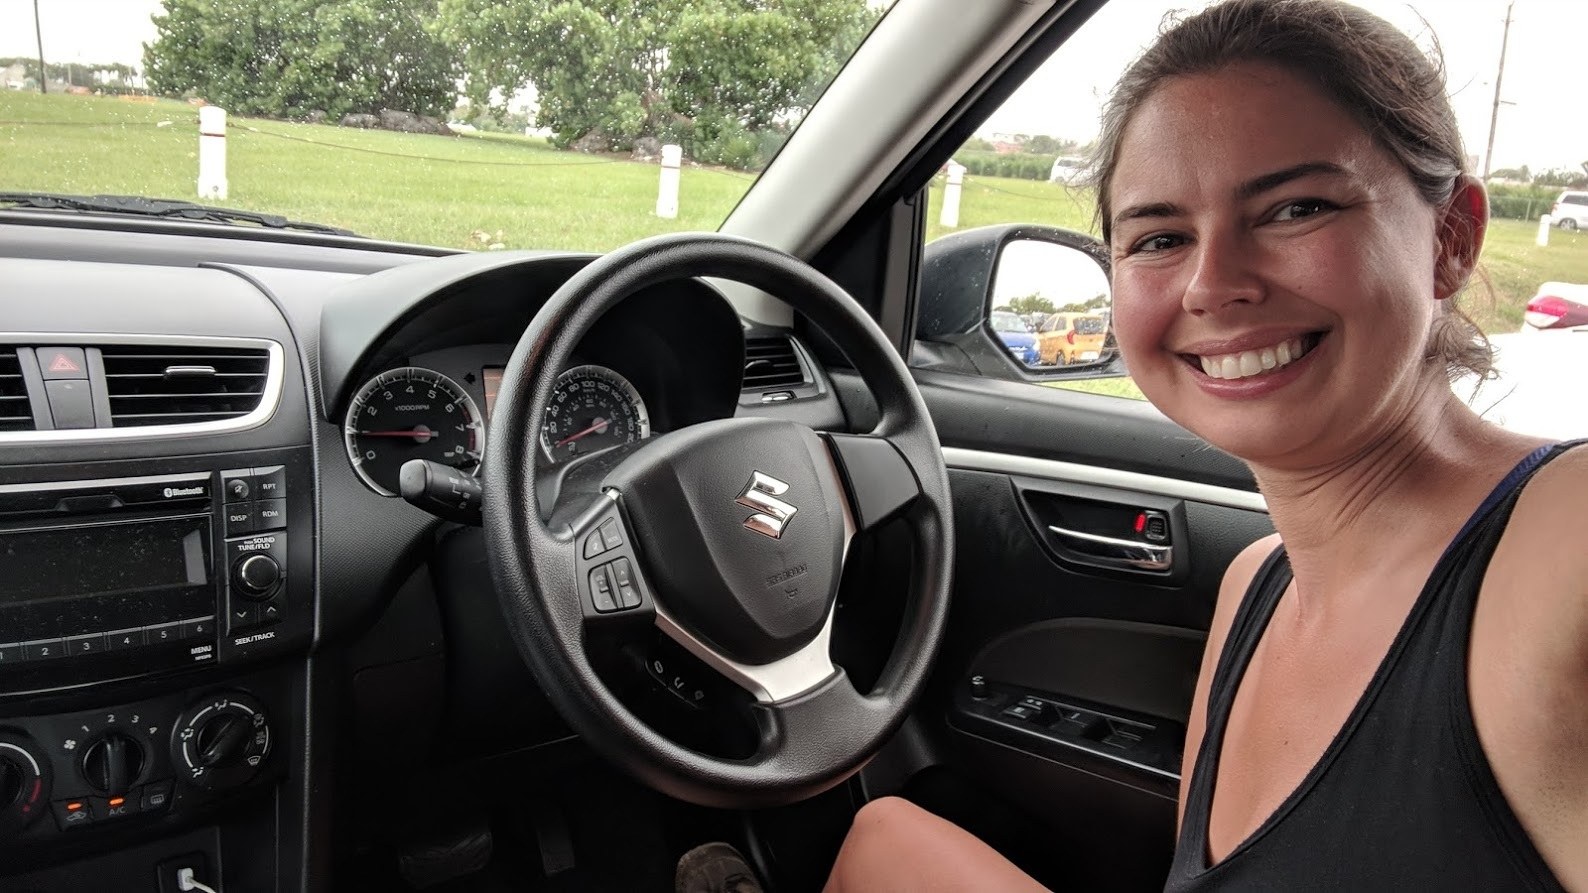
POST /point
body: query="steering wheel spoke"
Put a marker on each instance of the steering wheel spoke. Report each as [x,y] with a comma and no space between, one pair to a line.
[878,481]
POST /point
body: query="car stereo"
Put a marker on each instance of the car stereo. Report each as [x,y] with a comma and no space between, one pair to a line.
[108,578]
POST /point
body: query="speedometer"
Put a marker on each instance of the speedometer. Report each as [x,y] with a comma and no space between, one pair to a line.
[411,413]
[592,408]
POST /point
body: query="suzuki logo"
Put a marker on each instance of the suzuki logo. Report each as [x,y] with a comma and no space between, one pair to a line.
[771,514]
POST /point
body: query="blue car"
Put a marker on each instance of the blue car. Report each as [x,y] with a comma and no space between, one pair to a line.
[1016,336]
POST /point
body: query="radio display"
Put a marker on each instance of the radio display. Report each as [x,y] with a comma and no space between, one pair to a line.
[103,559]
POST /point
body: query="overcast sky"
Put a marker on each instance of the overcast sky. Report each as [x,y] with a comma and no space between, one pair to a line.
[1544,128]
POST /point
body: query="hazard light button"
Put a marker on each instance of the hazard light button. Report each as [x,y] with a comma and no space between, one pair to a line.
[62,362]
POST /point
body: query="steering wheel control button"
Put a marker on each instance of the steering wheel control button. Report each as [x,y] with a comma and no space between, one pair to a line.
[593,544]
[270,514]
[611,533]
[601,591]
[241,518]
[628,595]
[57,363]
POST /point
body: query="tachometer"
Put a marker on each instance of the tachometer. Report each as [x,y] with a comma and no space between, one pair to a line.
[592,408]
[411,413]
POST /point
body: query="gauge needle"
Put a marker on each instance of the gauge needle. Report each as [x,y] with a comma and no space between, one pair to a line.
[421,434]
[600,425]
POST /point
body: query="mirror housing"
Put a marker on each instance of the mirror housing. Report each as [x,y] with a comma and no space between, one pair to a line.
[963,273]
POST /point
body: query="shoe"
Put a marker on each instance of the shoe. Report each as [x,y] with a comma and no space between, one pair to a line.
[714,868]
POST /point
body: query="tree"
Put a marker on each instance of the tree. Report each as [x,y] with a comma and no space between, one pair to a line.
[1031,304]
[1520,174]
[701,71]
[286,58]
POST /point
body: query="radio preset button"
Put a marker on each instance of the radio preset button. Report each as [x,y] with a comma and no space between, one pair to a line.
[43,649]
[241,518]
[270,482]
[93,643]
[162,633]
[199,628]
[270,514]
[10,653]
[124,638]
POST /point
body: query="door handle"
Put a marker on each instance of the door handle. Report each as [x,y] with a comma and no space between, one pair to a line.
[1122,553]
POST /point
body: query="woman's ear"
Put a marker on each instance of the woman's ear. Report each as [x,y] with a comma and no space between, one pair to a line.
[1465,219]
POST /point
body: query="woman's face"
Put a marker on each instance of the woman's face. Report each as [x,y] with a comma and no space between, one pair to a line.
[1274,269]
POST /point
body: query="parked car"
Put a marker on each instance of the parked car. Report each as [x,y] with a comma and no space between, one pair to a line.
[1016,336]
[1557,305]
[1067,170]
[1571,210]
[1068,338]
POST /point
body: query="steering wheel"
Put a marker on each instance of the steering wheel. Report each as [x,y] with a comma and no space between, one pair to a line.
[730,536]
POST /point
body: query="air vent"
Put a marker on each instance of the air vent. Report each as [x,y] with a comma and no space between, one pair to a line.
[182,385]
[15,413]
[771,362]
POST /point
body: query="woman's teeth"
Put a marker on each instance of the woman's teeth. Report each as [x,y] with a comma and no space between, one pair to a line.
[1254,362]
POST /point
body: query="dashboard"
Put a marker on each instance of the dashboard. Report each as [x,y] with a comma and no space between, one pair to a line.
[234,626]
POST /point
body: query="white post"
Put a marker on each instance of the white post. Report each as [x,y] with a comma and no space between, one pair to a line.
[212,152]
[667,192]
[956,176]
[1542,240]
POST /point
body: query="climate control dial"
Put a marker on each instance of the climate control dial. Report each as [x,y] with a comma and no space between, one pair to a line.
[24,783]
[222,742]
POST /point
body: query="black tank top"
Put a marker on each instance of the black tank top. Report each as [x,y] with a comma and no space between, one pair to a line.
[1403,797]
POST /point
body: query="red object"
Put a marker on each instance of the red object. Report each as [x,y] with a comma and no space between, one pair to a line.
[63,363]
[1553,311]
[1070,336]
[1141,522]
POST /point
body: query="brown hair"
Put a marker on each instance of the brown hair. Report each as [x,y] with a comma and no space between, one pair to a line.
[1375,72]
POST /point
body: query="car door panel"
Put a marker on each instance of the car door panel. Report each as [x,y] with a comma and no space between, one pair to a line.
[1107,652]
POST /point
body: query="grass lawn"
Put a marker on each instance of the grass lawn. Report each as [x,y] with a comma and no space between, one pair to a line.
[533,196]
[471,191]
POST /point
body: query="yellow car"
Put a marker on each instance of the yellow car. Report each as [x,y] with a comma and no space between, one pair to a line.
[1068,338]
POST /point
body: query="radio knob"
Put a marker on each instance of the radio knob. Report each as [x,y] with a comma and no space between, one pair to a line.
[112,764]
[257,574]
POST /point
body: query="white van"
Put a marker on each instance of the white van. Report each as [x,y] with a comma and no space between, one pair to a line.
[1069,170]
[1571,210]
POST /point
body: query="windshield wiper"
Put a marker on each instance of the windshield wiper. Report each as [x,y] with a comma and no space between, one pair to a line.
[158,207]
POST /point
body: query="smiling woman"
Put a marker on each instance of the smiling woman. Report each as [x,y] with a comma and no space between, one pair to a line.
[1285,198]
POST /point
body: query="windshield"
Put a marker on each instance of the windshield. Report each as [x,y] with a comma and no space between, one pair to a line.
[475,124]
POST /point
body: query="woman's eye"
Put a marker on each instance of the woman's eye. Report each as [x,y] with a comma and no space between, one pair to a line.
[1160,242]
[1304,208]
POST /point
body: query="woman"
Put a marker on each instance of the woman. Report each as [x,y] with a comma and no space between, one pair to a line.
[1392,696]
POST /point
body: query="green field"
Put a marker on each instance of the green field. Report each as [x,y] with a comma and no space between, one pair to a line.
[474,191]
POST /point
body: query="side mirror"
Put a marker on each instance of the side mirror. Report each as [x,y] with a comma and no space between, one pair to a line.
[1017,301]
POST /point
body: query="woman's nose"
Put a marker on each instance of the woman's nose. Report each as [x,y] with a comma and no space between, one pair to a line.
[1222,275]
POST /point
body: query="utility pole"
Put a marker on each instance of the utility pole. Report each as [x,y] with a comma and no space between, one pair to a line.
[38,34]
[1504,38]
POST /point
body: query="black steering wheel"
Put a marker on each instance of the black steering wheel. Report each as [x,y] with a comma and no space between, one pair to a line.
[730,536]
